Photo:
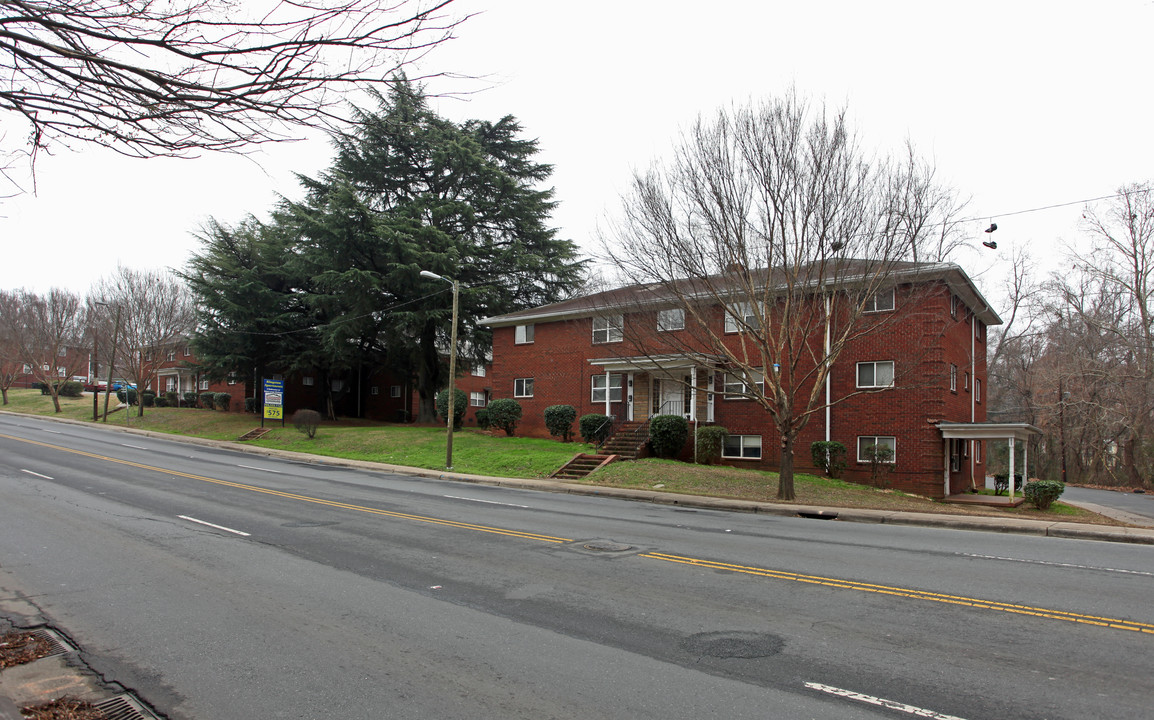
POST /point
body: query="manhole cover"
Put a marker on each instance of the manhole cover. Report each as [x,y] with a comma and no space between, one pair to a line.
[727,645]
[606,546]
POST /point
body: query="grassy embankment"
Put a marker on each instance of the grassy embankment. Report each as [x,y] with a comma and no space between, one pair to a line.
[484,454]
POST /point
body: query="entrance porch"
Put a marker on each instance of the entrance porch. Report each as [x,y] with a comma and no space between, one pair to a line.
[672,385]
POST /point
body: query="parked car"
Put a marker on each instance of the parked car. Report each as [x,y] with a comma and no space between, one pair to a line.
[122,384]
[98,387]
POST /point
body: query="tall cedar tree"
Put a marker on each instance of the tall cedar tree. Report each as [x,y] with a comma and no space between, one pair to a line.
[332,283]
[411,191]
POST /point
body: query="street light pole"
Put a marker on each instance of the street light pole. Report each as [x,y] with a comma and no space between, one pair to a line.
[452,369]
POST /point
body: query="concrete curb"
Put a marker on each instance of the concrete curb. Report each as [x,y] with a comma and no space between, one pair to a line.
[1079,531]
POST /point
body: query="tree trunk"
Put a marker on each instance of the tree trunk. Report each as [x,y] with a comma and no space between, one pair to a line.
[4,391]
[54,392]
[785,474]
[428,374]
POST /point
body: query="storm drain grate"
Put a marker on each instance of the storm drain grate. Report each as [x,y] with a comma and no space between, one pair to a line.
[124,707]
[55,640]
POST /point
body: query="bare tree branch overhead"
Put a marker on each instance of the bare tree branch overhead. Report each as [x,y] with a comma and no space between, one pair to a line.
[149,78]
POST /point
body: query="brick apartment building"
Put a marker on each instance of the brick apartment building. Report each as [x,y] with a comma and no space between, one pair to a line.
[922,376]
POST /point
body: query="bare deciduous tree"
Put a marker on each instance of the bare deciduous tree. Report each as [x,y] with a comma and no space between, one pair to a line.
[169,79]
[775,212]
[49,335]
[11,364]
[156,315]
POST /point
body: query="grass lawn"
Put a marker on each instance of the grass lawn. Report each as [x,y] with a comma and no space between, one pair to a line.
[479,453]
[723,481]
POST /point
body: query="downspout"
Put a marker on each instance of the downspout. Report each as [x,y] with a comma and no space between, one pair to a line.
[828,409]
[973,405]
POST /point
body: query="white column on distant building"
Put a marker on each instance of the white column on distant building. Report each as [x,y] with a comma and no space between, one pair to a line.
[1010,440]
[608,393]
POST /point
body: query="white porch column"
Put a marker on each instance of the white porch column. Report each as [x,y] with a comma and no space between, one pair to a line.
[946,464]
[693,394]
[1025,464]
[1010,441]
[608,393]
[629,398]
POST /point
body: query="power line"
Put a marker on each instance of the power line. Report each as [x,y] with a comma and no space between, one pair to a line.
[1058,205]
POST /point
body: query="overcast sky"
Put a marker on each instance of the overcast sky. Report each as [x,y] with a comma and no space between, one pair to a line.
[1020,105]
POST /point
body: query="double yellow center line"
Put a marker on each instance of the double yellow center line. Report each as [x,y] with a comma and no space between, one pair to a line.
[837,583]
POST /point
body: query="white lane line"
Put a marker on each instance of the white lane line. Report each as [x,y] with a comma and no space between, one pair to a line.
[251,467]
[881,702]
[36,474]
[487,502]
[54,432]
[1057,564]
[138,447]
[218,527]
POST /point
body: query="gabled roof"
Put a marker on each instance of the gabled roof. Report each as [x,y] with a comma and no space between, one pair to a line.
[656,295]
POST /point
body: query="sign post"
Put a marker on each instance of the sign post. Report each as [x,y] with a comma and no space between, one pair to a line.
[273,404]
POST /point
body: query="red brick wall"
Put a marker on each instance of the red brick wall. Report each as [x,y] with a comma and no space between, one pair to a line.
[919,336]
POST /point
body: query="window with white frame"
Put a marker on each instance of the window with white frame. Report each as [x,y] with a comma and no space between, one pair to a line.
[307,381]
[523,334]
[978,451]
[170,384]
[231,379]
[523,387]
[977,390]
[672,319]
[477,398]
[875,374]
[374,390]
[608,329]
[953,378]
[747,447]
[979,330]
[395,391]
[740,317]
[170,355]
[59,372]
[187,351]
[203,383]
[735,387]
[27,369]
[479,370]
[881,301]
[966,381]
[599,385]
[953,306]
[867,442]
[337,385]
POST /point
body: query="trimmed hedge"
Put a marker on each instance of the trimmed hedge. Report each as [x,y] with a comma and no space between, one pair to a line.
[191,399]
[148,398]
[207,400]
[70,388]
[460,405]
[483,418]
[594,427]
[829,457]
[710,442]
[667,434]
[251,405]
[504,413]
[1043,493]
[221,400]
[307,421]
[559,420]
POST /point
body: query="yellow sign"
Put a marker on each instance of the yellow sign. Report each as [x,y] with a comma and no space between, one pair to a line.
[273,412]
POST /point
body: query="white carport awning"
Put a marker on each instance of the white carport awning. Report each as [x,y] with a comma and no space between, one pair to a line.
[1010,432]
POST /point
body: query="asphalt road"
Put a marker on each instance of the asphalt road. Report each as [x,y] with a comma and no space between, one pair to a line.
[224,585]
[1141,504]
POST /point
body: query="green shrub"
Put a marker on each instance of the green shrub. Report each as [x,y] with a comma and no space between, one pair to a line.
[594,428]
[160,401]
[148,398]
[191,399]
[483,421]
[207,400]
[504,414]
[1043,493]
[70,388]
[172,398]
[559,420]
[460,405]
[710,441]
[251,405]
[307,421]
[221,400]
[128,395]
[829,457]
[667,434]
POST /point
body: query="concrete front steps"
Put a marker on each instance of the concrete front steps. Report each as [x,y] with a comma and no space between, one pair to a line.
[581,465]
